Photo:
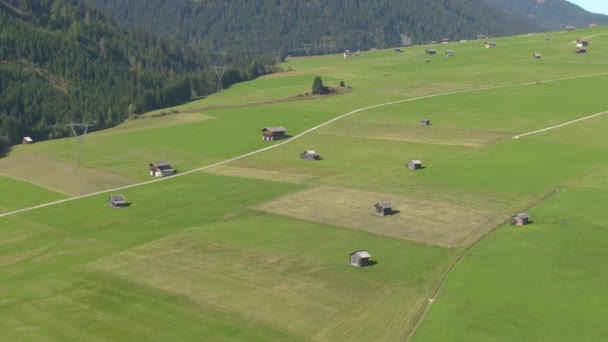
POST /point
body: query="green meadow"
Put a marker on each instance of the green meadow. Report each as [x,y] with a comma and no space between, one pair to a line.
[255,247]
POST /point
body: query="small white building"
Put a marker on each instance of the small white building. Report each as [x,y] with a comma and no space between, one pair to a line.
[27,140]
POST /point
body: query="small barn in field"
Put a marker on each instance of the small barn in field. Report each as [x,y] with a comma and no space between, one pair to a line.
[27,140]
[490,45]
[117,201]
[520,219]
[273,133]
[580,50]
[449,53]
[482,36]
[537,56]
[359,258]
[397,49]
[581,43]
[570,28]
[414,164]
[426,122]
[430,52]
[161,169]
[310,155]
[347,54]
[383,208]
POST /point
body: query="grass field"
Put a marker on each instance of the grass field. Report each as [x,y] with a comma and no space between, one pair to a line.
[257,248]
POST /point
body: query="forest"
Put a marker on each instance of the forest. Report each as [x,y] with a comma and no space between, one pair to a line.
[63,61]
[300,27]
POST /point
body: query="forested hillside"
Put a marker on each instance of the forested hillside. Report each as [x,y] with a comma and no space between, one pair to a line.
[321,26]
[551,15]
[61,60]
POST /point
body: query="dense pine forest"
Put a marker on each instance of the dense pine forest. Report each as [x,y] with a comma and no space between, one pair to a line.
[551,15]
[62,61]
[314,26]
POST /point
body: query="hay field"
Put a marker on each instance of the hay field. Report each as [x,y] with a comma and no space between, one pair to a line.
[257,249]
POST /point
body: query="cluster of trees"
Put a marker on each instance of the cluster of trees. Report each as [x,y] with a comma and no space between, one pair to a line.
[312,26]
[62,61]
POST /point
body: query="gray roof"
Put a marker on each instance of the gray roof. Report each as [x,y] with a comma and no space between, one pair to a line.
[385,204]
[311,152]
[522,215]
[275,129]
[160,163]
[117,198]
[415,161]
[362,254]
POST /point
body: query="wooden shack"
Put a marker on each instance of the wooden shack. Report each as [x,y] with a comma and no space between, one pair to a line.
[449,53]
[161,169]
[273,133]
[581,43]
[580,50]
[359,258]
[537,56]
[430,52]
[490,45]
[482,37]
[520,219]
[397,50]
[383,208]
[426,122]
[310,155]
[570,28]
[117,201]
[414,164]
[27,140]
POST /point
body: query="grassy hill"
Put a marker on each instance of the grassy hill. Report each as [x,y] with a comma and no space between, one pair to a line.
[256,248]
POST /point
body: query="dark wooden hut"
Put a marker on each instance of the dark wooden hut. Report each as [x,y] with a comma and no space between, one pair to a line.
[383,208]
[161,169]
[425,122]
[117,201]
[359,258]
[537,56]
[310,155]
[414,164]
[490,45]
[570,28]
[520,219]
[579,51]
[430,52]
[449,53]
[273,133]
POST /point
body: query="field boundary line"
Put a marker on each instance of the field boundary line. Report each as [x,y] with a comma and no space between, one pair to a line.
[299,135]
[560,125]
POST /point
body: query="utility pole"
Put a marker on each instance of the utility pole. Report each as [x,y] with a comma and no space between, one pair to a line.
[79,138]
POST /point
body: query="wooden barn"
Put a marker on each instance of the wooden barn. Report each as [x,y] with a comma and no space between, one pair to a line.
[430,52]
[570,28]
[537,56]
[27,140]
[482,37]
[490,45]
[449,53]
[426,122]
[414,164]
[273,133]
[397,49]
[581,43]
[580,50]
[359,258]
[520,219]
[347,54]
[383,208]
[310,155]
[161,169]
[117,201]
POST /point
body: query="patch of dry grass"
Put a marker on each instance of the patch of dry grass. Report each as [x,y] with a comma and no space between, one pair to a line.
[425,221]
[60,176]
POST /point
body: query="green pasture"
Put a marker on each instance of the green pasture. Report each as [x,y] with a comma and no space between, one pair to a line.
[542,282]
[257,249]
[17,194]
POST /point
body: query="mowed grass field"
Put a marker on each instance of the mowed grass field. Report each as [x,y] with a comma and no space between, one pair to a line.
[257,248]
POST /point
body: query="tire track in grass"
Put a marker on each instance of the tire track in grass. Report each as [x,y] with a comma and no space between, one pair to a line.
[297,136]
[560,125]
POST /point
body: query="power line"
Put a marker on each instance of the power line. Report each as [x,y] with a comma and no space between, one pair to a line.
[79,138]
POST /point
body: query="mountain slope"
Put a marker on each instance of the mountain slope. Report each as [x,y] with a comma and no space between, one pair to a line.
[325,26]
[551,15]
[61,60]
